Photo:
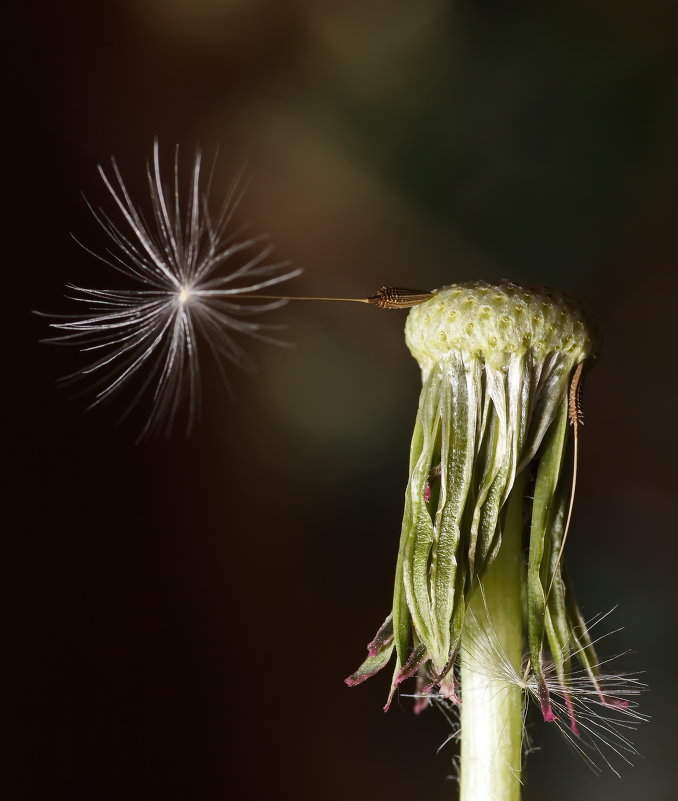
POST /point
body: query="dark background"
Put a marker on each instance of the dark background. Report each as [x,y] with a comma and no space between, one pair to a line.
[178,616]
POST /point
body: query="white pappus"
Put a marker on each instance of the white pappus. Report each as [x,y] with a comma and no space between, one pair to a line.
[178,296]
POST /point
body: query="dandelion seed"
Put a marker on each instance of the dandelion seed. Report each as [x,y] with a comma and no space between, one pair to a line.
[595,711]
[180,298]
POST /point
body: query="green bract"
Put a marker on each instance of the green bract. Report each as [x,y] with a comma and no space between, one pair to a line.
[497,362]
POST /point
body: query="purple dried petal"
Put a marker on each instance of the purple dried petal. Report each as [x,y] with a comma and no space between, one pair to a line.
[415,660]
[423,688]
[613,703]
[570,712]
[373,664]
[545,702]
[448,688]
[383,637]
[391,693]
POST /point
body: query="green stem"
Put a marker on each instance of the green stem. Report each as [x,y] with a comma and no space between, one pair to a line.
[491,708]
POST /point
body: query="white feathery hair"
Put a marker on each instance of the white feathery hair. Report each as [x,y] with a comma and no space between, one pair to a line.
[596,717]
[178,296]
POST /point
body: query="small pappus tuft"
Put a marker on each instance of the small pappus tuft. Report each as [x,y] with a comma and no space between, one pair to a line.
[595,709]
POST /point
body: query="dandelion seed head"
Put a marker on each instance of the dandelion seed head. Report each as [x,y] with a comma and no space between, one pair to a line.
[191,285]
[495,321]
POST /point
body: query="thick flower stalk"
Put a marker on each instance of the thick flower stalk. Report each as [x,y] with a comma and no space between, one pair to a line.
[487,507]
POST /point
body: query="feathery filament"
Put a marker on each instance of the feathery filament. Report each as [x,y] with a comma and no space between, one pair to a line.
[180,295]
